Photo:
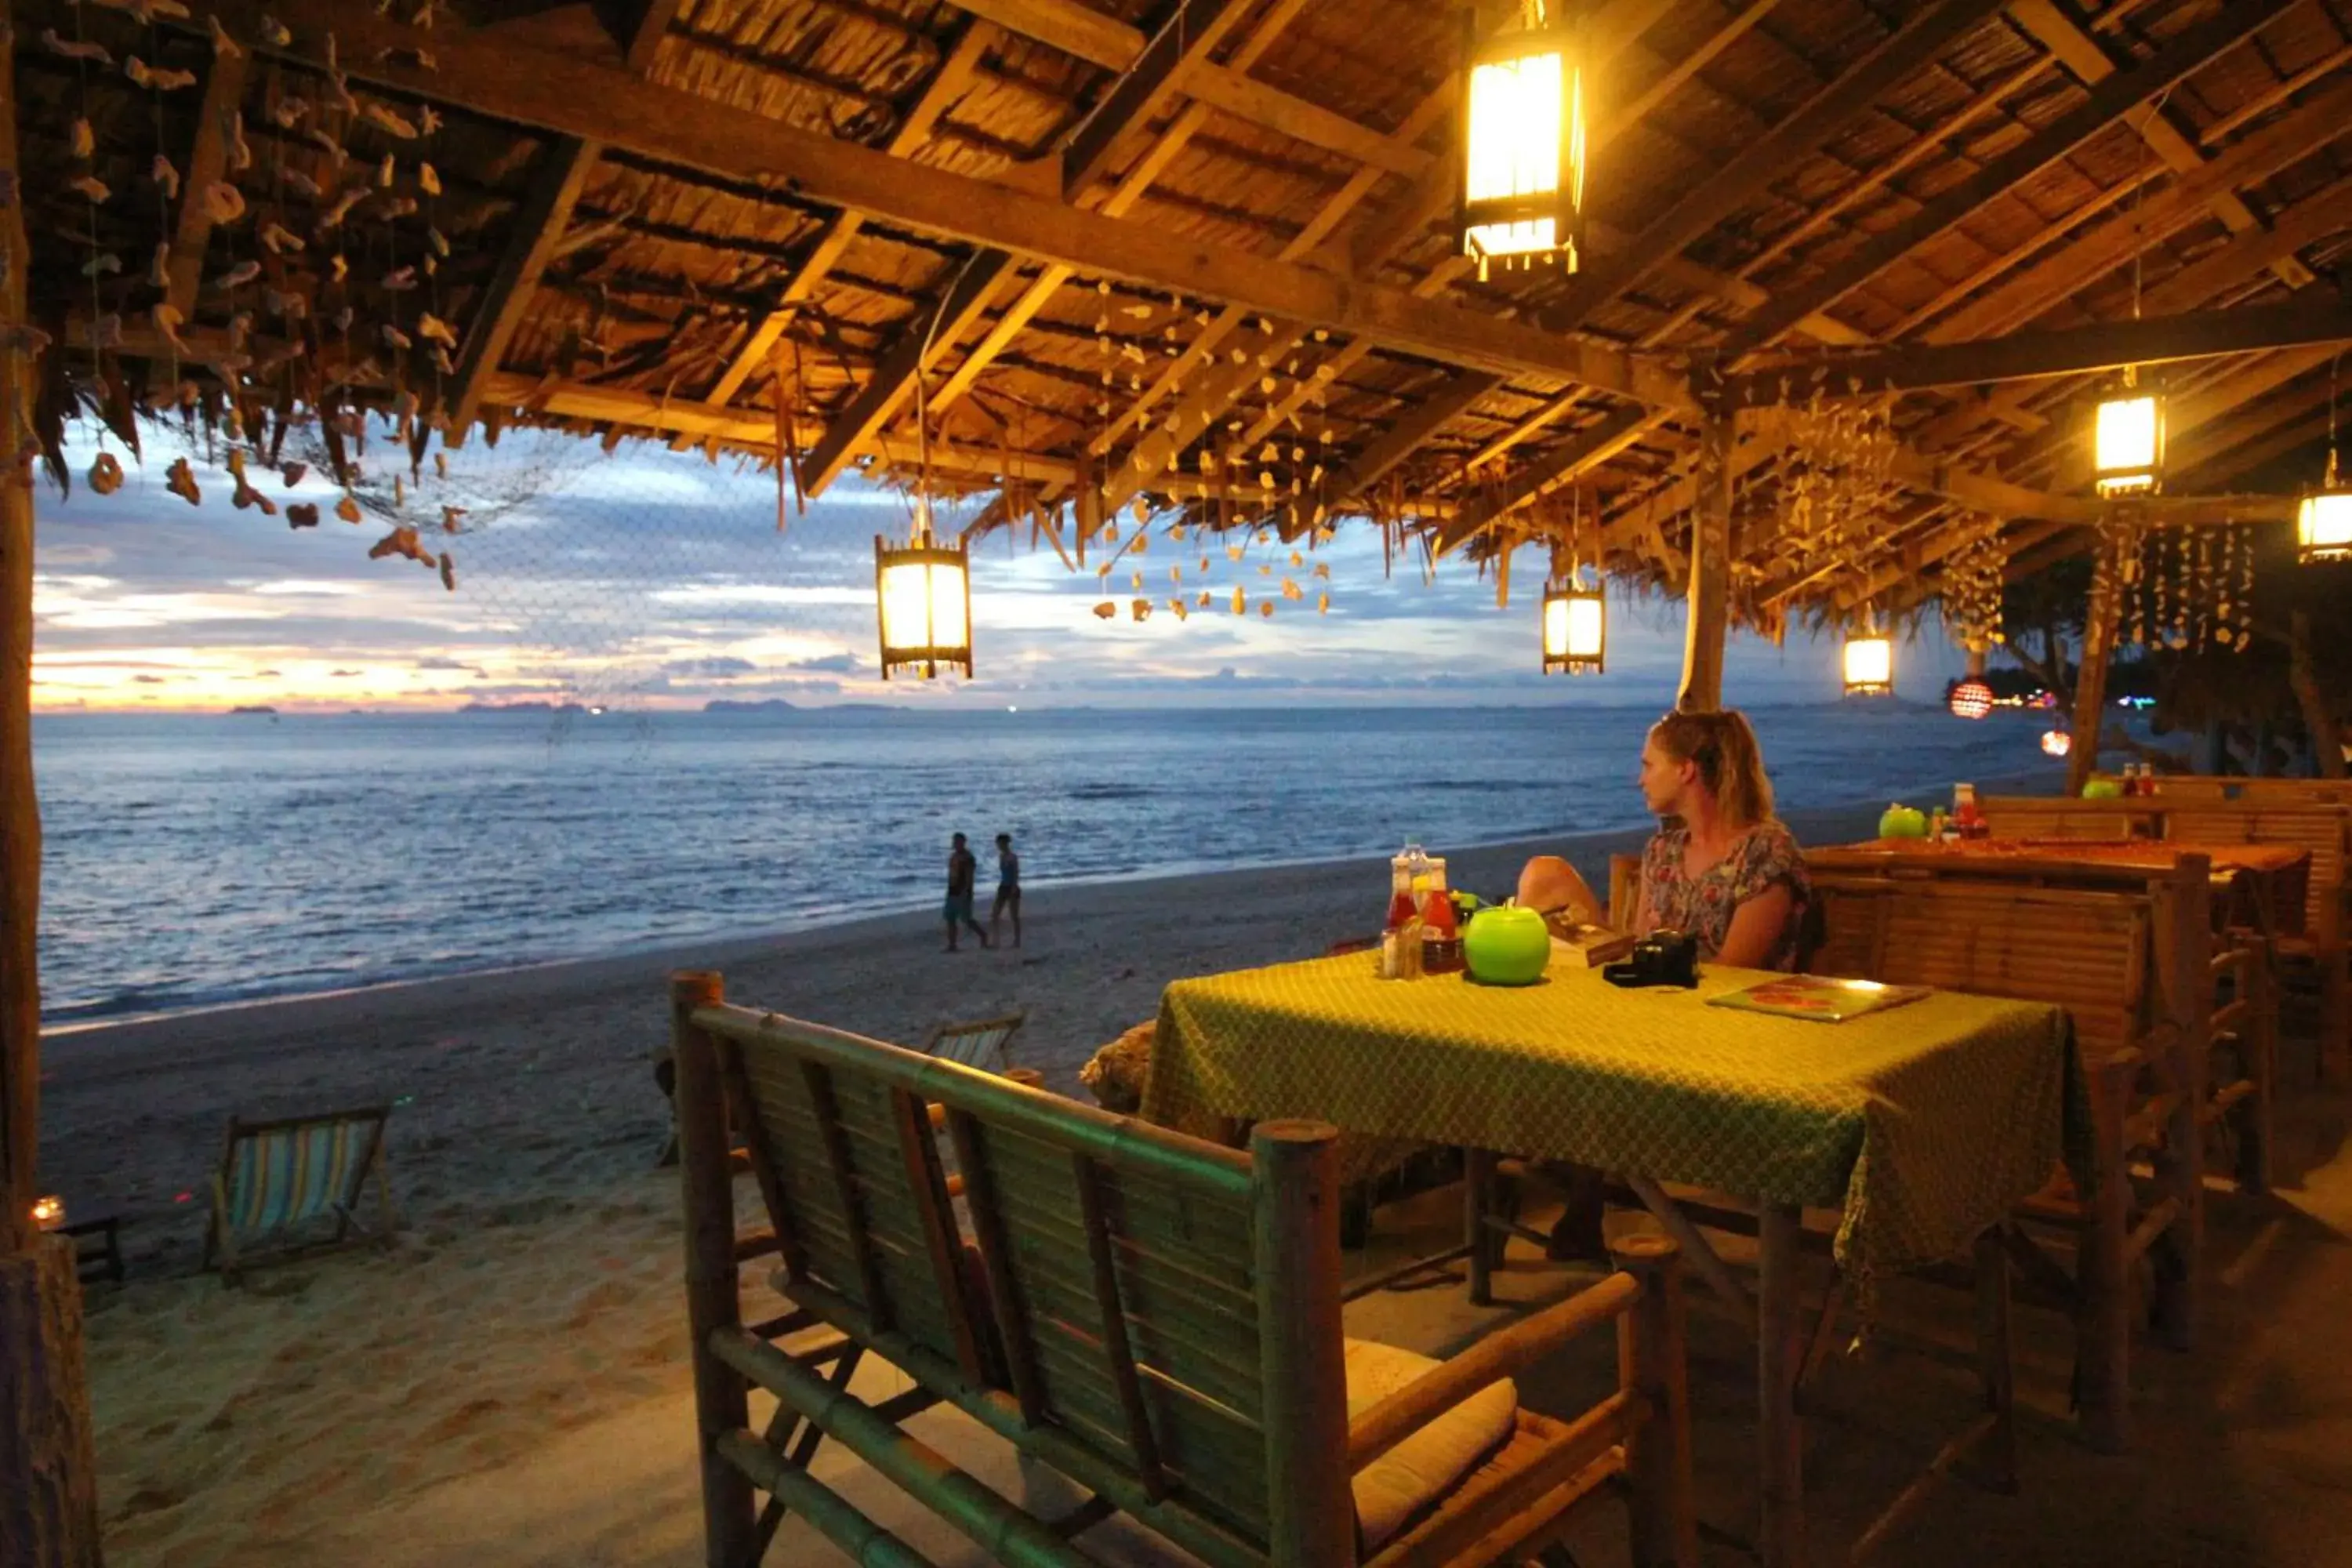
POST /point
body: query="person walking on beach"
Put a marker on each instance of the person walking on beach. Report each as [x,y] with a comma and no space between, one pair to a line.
[964,866]
[1008,888]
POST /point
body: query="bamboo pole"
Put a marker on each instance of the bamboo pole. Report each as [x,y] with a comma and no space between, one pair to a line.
[48,1464]
[1311,1509]
[1710,570]
[713,1301]
[2091,681]
[1651,1362]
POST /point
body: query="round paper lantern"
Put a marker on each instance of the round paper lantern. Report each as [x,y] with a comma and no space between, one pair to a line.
[1971,699]
[2057,742]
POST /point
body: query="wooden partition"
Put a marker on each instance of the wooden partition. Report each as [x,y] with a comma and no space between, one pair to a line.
[1155,1316]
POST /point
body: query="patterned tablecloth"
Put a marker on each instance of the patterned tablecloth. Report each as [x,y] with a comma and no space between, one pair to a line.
[1922,1123]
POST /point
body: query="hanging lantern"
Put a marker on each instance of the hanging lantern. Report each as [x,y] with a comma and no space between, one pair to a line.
[1523,142]
[2127,438]
[2056,742]
[48,1213]
[2322,523]
[1971,698]
[1869,664]
[924,590]
[1575,626]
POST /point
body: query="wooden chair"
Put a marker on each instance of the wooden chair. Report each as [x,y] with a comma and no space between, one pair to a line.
[1155,1317]
[985,1043]
[2319,949]
[2133,968]
[280,1180]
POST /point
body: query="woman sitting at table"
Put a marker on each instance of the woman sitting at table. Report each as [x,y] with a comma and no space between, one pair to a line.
[1721,867]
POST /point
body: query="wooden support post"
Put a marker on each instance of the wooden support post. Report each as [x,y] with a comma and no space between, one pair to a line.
[2091,681]
[707,1181]
[1480,1193]
[1710,571]
[48,1466]
[1781,1438]
[2258,1060]
[1651,1362]
[1311,1509]
[2184,945]
[2102,1326]
[1995,1366]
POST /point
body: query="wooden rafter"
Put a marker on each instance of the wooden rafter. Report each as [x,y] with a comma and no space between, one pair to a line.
[2107,102]
[2055,28]
[1193,32]
[949,83]
[1069,25]
[207,162]
[1587,448]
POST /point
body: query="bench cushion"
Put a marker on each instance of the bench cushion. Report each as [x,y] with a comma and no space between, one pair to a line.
[1393,1489]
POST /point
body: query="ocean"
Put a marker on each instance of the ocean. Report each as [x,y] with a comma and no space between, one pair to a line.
[197,860]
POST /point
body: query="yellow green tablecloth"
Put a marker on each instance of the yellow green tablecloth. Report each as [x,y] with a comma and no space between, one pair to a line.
[1923,1123]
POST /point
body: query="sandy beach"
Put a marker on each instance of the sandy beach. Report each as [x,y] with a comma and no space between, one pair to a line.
[507,1383]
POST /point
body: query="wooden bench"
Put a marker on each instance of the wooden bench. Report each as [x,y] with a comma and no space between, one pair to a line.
[2132,968]
[1154,1316]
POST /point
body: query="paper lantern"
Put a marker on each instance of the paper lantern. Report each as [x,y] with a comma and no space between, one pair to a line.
[1523,142]
[923,590]
[2056,742]
[2322,523]
[1971,698]
[1575,628]
[1869,664]
[2127,439]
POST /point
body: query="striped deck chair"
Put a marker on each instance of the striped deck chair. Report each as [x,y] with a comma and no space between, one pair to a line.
[279,1181]
[984,1044]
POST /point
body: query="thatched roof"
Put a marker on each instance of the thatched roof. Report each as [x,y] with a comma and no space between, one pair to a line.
[1091,219]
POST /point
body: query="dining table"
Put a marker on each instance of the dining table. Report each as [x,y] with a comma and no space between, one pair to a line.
[1921,1125]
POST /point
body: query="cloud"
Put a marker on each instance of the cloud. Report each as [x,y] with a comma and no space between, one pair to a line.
[717,666]
[344,674]
[440,662]
[148,679]
[843,663]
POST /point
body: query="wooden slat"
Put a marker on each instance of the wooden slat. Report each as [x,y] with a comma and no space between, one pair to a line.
[2118,95]
[1117,1351]
[920,1156]
[879,1308]
[1191,32]
[1241,96]
[1070,26]
[535,231]
[975,1162]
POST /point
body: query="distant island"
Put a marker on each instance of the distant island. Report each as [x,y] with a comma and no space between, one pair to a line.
[255,707]
[526,707]
[732,705]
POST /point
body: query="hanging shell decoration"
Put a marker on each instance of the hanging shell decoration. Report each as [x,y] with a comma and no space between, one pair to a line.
[105,474]
[181,480]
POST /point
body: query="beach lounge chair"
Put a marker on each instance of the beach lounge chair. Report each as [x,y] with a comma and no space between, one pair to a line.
[1155,1317]
[281,1180]
[985,1043]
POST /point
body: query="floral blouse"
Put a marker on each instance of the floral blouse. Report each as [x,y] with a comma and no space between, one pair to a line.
[1703,905]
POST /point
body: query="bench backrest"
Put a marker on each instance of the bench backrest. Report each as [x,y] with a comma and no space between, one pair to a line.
[2258,791]
[1108,1290]
[2086,952]
[2323,829]
[2055,816]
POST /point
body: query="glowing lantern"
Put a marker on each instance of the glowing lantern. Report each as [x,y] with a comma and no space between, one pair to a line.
[1971,698]
[1523,142]
[924,591]
[2056,742]
[2127,439]
[48,1213]
[2322,523]
[1575,627]
[1869,664]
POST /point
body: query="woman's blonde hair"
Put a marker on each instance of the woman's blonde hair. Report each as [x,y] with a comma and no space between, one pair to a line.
[1729,762]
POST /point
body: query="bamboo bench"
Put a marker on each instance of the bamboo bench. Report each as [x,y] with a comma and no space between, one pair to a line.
[1154,1316]
[2132,969]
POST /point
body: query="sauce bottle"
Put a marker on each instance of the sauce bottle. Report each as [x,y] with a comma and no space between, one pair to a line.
[1441,939]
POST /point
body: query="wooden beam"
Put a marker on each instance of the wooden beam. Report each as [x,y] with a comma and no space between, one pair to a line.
[1070,26]
[2315,217]
[2180,56]
[2057,29]
[207,162]
[948,84]
[925,338]
[1588,450]
[1146,464]
[638,27]
[536,229]
[1416,423]
[2091,680]
[1247,98]
[1747,176]
[1709,604]
[1192,32]
[2072,350]
[575,97]
[2064,272]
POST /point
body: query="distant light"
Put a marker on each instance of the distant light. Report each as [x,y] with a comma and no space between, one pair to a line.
[1009,708]
[2056,742]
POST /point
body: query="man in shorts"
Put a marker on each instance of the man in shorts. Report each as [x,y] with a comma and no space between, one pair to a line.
[963,867]
[1008,888]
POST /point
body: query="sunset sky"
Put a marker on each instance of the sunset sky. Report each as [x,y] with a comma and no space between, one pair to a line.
[650,578]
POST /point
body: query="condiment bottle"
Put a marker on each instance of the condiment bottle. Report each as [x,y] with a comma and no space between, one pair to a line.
[1401,904]
[1441,939]
[1971,821]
